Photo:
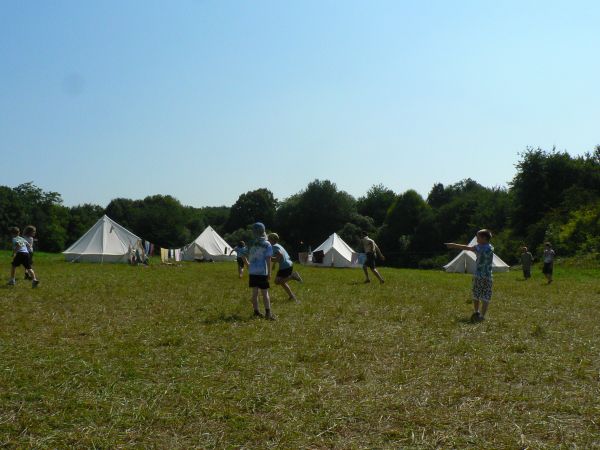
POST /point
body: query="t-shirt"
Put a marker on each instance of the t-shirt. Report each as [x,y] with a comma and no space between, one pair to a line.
[369,245]
[260,253]
[286,261]
[484,261]
[240,251]
[29,240]
[549,256]
[19,245]
[526,259]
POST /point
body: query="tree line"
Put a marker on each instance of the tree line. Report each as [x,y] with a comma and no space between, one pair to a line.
[553,196]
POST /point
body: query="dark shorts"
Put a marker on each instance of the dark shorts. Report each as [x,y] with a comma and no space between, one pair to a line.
[527,272]
[548,268]
[284,273]
[21,259]
[240,262]
[370,261]
[259,281]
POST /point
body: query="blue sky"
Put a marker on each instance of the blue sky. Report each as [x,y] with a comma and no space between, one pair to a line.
[205,100]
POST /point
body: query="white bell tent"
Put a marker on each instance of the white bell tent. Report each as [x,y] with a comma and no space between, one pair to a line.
[208,246]
[336,253]
[465,262]
[106,241]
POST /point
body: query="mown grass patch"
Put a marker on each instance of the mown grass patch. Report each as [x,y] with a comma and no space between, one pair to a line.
[164,356]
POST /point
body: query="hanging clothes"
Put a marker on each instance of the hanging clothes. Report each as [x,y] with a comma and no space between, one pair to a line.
[178,255]
[164,254]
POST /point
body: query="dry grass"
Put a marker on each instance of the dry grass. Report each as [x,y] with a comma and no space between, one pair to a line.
[114,356]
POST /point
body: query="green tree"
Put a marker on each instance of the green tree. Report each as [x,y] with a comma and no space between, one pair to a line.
[375,203]
[254,206]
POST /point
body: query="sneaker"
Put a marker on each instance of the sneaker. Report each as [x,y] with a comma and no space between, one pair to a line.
[270,316]
[296,276]
[367,281]
[11,282]
[475,317]
[381,281]
[258,314]
[35,283]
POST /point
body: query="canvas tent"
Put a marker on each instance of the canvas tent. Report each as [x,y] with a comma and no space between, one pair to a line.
[465,262]
[106,241]
[336,253]
[208,246]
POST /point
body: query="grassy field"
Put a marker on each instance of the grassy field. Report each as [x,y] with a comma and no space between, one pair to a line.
[116,356]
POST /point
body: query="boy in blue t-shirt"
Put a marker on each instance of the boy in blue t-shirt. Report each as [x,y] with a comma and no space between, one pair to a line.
[259,269]
[482,278]
[286,266]
[21,258]
[241,251]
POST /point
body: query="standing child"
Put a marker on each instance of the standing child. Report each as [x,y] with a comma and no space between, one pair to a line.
[286,266]
[372,251]
[29,235]
[526,261]
[548,268]
[259,269]
[241,250]
[20,258]
[482,278]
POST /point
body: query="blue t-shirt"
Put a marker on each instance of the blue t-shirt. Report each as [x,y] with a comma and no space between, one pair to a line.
[240,251]
[19,245]
[260,253]
[286,261]
[484,261]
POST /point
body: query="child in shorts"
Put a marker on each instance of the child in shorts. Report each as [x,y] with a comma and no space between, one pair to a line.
[240,250]
[259,269]
[286,266]
[482,278]
[29,235]
[20,258]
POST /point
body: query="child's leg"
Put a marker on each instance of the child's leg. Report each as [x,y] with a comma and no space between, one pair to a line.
[255,299]
[286,287]
[476,305]
[267,302]
[31,273]
[366,273]
[13,270]
[378,275]
[484,307]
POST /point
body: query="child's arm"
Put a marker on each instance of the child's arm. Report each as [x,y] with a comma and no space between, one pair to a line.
[378,252]
[459,246]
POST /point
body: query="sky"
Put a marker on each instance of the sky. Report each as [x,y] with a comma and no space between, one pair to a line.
[205,100]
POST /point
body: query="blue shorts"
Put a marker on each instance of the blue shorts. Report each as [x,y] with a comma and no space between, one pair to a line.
[482,289]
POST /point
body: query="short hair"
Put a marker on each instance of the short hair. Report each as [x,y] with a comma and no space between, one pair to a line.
[14,231]
[242,244]
[29,229]
[485,233]
[363,233]
[274,236]
[548,244]
[524,249]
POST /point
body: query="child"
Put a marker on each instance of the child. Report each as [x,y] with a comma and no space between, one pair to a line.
[526,261]
[482,278]
[29,235]
[241,250]
[548,268]
[371,250]
[259,269]
[20,258]
[286,266]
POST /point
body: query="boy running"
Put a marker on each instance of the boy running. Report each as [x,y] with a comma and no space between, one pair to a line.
[482,278]
[259,269]
[548,268]
[526,261]
[372,251]
[286,266]
[20,258]
[241,250]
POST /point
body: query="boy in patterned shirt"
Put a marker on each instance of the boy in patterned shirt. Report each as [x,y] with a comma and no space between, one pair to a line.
[259,257]
[482,278]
